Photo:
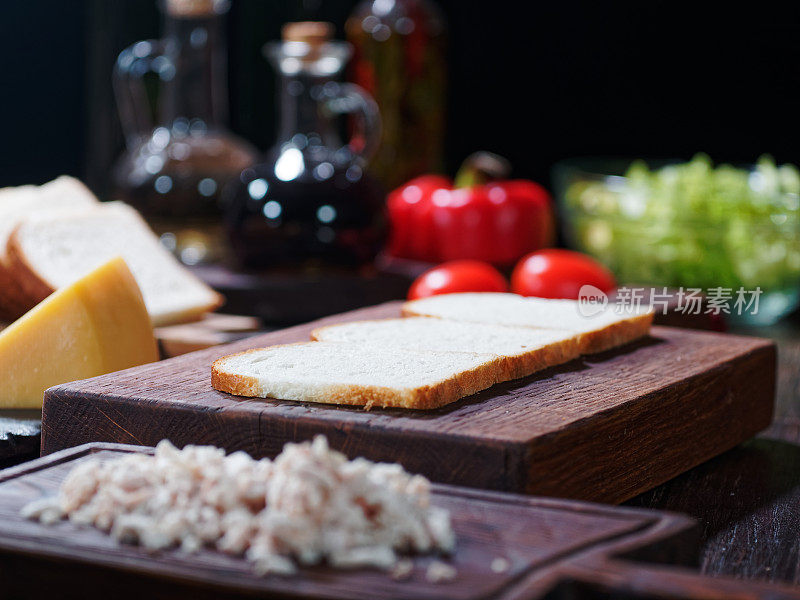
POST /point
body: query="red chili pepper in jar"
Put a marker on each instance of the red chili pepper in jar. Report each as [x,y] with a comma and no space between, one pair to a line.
[481,216]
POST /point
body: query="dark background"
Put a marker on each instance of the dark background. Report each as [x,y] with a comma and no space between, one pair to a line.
[535,81]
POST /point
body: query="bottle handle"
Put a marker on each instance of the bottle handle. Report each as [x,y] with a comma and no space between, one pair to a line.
[351,99]
[136,110]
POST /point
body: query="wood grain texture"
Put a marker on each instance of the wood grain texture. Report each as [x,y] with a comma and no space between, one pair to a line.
[530,534]
[554,547]
[557,549]
[747,500]
[603,428]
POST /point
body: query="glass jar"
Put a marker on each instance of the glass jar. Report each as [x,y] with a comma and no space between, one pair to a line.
[310,203]
[400,58]
[172,98]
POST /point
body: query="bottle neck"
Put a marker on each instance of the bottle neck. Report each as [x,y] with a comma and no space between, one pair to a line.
[197,89]
[302,113]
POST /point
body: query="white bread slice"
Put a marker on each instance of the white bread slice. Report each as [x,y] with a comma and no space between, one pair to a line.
[17,203]
[598,332]
[47,252]
[355,374]
[15,196]
[522,351]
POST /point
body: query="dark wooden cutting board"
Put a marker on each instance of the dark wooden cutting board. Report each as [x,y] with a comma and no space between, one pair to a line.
[554,548]
[603,428]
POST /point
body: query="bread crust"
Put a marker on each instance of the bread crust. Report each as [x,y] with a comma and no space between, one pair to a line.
[12,302]
[616,334]
[551,355]
[405,311]
[32,289]
[424,397]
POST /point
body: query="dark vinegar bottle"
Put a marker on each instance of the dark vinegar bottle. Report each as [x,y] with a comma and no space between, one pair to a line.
[176,165]
[310,203]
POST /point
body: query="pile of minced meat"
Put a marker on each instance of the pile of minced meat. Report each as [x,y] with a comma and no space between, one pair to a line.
[308,505]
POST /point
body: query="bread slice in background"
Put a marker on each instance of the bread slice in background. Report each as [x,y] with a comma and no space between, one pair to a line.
[49,251]
[597,332]
[355,374]
[18,203]
[522,351]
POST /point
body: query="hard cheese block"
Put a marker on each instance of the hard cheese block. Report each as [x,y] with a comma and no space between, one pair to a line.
[97,325]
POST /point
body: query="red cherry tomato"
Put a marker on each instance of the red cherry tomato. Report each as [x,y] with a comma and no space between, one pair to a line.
[458,276]
[557,273]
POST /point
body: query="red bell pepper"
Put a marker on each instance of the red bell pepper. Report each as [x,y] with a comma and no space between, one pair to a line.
[433,219]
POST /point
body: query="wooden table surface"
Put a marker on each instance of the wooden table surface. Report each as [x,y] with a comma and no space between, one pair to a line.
[748,499]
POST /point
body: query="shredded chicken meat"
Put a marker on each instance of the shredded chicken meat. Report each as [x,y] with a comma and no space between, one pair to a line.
[308,505]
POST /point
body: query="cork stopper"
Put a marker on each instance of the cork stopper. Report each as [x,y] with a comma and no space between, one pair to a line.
[192,9]
[308,46]
[313,33]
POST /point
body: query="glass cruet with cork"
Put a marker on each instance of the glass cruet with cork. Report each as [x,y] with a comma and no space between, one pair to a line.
[172,99]
[310,203]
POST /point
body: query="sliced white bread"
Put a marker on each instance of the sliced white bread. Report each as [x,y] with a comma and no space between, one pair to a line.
[47,252]
[18,203]
[12,197]
[596,332]
[522,351]
[355,374]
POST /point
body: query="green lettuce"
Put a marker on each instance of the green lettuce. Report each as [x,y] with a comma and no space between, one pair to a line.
[692,224]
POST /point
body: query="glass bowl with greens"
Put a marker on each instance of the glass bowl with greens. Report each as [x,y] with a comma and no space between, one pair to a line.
[690,225]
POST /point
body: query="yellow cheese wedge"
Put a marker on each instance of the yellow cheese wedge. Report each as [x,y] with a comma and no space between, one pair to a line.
[97,325]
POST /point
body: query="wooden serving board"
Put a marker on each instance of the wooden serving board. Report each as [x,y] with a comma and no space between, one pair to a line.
[554,548]
[605,428]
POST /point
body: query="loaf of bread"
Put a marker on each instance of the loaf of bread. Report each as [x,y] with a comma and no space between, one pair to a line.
[47,251]
[18,203]
[596,330]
